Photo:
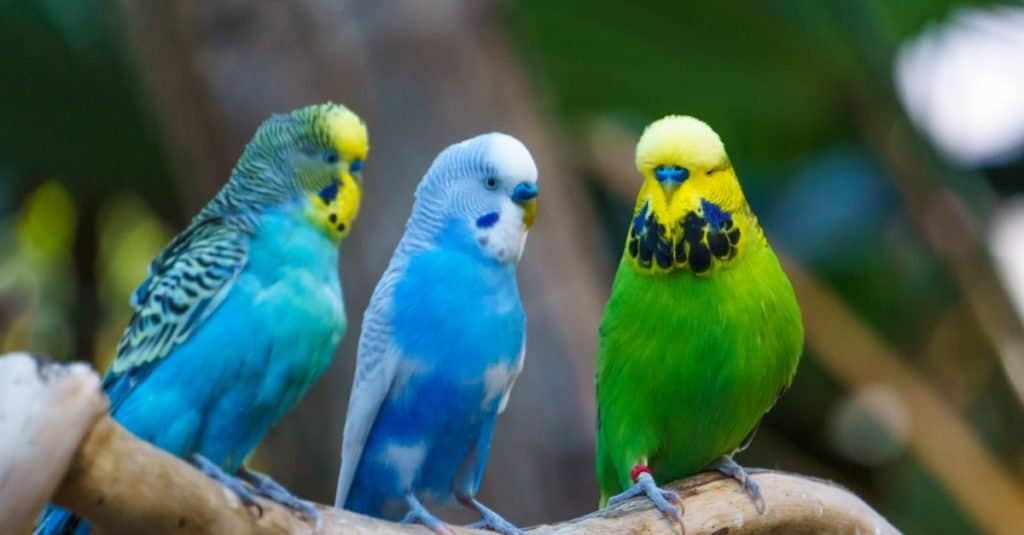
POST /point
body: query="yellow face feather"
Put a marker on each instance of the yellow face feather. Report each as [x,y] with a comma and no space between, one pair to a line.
[346,132]
[708,183]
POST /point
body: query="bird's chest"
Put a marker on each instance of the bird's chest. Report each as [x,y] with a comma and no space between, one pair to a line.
[460,328]
[294,292]
[301,310]
[685,355]
[463,316]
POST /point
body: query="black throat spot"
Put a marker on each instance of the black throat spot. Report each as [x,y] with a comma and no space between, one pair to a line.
[703,236]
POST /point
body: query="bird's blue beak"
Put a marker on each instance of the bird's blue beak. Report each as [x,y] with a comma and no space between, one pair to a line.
[671,175]
[524,191]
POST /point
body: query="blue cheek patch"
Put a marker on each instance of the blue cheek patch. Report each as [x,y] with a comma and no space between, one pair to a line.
[487,220]
[330,192]
[355,166]
[714,215]
[641,218]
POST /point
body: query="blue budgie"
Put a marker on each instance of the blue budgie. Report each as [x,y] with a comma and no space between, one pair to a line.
[443,340]
[242,311]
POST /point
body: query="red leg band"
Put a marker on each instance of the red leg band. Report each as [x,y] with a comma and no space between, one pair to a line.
[634,474]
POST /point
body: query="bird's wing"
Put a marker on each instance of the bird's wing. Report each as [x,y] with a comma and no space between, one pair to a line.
[186,283]
[376,366]
[515,375]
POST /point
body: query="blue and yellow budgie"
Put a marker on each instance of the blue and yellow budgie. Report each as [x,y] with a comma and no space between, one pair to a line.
[243,310]
[442,341]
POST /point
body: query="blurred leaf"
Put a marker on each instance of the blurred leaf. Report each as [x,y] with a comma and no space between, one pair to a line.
[71,104]
[47,223]
[719,62]
[770,76]
[35,271]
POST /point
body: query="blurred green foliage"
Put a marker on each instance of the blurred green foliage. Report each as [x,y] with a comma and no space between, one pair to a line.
[73,107]
[773,77]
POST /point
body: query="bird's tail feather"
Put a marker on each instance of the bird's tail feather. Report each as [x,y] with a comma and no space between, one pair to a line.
[57,521]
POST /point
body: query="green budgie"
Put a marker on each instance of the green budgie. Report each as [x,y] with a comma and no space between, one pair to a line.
[702,332]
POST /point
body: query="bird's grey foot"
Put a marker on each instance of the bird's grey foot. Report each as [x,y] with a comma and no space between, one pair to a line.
[419,515]
[233,484]
[729,467]
[489,519]
[666,501]
[264,485]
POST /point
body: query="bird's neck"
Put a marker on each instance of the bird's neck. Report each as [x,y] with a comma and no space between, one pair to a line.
[284,240]
[252,186]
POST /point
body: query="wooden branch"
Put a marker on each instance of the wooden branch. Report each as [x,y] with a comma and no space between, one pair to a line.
[124,485]
[716,506]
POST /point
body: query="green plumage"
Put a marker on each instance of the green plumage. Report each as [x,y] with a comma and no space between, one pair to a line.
[689,362]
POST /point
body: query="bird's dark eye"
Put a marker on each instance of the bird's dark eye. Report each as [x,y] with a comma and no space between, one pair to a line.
[331,157]
[491,183]
[355,166]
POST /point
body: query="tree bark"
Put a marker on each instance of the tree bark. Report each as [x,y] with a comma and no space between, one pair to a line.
[55,434]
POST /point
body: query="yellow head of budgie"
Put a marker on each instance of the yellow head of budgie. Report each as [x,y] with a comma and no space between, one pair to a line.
[334,204]
[682,161]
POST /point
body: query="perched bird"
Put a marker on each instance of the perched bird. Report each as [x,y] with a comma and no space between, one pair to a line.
[702,332]
[242,311]
[443,340]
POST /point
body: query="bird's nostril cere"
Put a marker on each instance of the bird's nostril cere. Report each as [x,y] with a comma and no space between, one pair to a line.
[672,173]
[524,192]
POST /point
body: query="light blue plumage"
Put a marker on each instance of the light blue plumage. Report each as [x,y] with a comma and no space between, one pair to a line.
[443,339]
[243,310]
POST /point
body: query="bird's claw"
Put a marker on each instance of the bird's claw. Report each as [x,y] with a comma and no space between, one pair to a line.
[419,515]
[501,526]
[492,521]
[667,501]
[730,468]
[233,484]
[754,491]
[264,485]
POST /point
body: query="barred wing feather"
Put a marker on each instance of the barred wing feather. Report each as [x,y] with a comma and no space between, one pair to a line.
[186,283]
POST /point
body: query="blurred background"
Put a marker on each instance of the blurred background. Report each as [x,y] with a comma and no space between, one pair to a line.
[881,144]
